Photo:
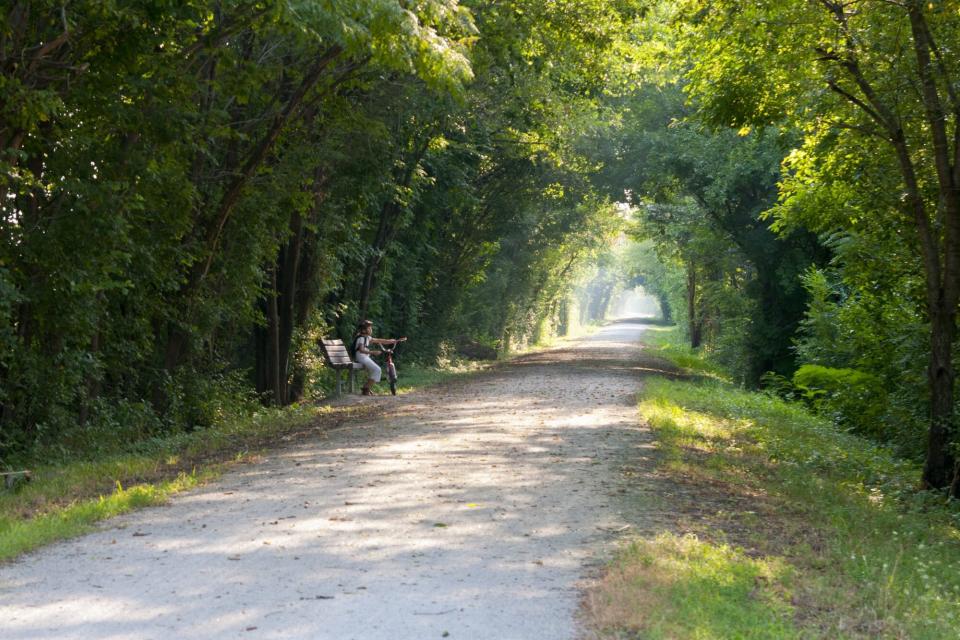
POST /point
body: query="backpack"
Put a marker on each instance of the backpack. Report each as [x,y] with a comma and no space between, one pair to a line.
[352,349]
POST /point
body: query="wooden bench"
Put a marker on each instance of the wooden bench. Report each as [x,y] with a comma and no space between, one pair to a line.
[13,480]
[338,359]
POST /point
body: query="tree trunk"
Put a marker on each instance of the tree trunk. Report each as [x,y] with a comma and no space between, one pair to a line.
[563,317]
[273,344]
[279,306]
[91,382]
[178,339]
[269,376]
[666,311]
[367,284]
[389,226]
[939,243]
[939,469]
[693,321]
[288,304]
[941,465]
[289,287]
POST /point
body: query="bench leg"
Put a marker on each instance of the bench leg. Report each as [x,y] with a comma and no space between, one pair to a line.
[351,375]
[339,390]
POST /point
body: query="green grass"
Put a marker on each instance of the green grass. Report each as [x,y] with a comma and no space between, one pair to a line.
[887,555]
[66,499]
[824,531]
[18,536]
[674,586]
[667,343]
[413,377]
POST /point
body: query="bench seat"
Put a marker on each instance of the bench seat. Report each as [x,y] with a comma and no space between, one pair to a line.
[338,359]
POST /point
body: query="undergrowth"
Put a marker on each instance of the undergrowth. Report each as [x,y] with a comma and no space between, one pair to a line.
[784,527]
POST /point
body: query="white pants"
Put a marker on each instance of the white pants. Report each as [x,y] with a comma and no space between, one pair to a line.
[373,369]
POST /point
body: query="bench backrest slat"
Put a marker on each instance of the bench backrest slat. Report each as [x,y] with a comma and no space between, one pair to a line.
[336,353]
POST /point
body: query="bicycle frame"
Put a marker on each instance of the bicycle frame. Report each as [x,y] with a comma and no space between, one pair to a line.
[391,367]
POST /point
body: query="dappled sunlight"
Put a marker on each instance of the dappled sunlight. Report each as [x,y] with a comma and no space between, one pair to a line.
[486,496]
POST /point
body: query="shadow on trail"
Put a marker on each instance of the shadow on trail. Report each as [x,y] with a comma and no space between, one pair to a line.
[472,509]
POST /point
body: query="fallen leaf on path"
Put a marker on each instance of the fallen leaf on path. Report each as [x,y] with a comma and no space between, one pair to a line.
[433,613]
[615,529]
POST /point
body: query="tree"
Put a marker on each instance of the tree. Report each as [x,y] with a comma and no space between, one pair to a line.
[194,193]
[141,145]
[849,73]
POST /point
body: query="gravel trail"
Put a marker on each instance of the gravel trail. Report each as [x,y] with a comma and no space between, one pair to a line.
[471,513]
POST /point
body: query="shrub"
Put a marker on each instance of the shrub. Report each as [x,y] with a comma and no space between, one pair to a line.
[853,399]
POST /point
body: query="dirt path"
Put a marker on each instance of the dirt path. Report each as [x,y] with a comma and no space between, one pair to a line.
[470,514]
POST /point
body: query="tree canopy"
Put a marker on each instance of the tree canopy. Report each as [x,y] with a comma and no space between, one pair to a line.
[195,192]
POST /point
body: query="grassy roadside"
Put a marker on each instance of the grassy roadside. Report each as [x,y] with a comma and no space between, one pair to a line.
[68,499]
[782,527]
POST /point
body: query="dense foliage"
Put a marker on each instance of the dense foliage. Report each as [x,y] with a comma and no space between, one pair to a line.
[196,191]
[871,86]
[795,168]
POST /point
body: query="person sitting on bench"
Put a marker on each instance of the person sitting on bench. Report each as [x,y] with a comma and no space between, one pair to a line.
[361,346]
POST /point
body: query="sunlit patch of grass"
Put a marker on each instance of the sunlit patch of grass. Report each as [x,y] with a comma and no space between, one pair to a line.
[19,536]
[691,429]
[683,587]
[550,341]
[667,343]
[866,554]
[414,377]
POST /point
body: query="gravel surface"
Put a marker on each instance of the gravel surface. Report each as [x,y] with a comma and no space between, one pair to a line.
[473,511]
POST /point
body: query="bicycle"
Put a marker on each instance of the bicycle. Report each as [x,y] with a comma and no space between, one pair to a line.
[391,367]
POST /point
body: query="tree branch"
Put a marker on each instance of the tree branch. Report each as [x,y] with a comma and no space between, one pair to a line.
[232,196]
[870,133]
[836,88]
[948,187]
